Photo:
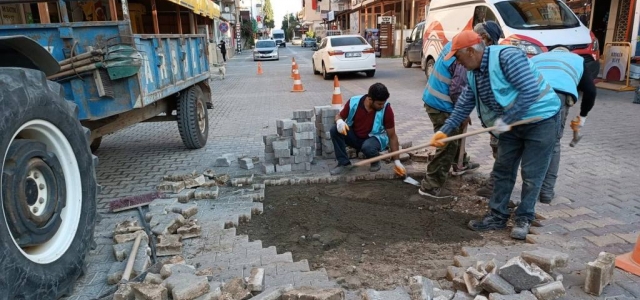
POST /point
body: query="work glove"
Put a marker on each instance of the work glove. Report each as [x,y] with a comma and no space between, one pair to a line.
[577,123]
[435,139]
[342,127]
[501,126]
[399,168]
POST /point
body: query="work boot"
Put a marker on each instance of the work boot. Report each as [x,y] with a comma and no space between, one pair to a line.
[521,228]
[375,166]
[436,193]
[490,221]
[468,167]
[339,169]
[485,191]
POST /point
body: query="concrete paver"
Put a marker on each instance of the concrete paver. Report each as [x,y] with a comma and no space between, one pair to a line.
[598,177]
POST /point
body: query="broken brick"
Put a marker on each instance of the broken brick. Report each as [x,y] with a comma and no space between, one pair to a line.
[207,272]
[187,210]
[522,275]
[129,226]
[236,289]
[546,259]
[493,283]
[189,231]
[124,292]
[126,237]
[256,280]
[148,291]
[420,288]
[166,224]
[187,286]
[206,192]
[153,278]
[169,245]
[180,176]
[549,291]
[170,187]
[599,273]
[168,270]
[194,182]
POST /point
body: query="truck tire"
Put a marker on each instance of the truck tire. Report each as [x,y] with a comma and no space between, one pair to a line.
[193,119]
[405,61]
[48,180]
[95,144]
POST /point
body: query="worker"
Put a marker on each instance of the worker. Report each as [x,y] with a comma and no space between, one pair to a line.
[440,95]
[366,123]
[567,73]
[506,87]
[223,49]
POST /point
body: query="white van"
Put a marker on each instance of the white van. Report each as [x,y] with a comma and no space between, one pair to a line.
[536,26]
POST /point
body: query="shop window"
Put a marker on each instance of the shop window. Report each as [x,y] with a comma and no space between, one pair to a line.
[483,14]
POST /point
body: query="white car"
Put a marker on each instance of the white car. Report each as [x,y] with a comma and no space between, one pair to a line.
[296,41]
[266,50]
[343,54]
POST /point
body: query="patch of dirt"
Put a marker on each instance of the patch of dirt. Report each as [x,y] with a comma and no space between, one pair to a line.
[374,234]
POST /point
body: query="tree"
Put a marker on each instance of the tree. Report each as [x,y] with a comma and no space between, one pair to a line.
[285,24]
[268,21]
[291,22]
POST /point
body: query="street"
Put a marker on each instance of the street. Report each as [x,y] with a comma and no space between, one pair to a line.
[599,177]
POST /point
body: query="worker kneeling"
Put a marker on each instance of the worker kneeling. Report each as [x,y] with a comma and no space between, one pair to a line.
[506,87]
[367,124]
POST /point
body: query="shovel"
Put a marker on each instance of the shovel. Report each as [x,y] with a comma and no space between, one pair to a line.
[411,181]
[445,140]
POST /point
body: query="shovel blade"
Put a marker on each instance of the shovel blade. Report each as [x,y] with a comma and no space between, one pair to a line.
[411,181]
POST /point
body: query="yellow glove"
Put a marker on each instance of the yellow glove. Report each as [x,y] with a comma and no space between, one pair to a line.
[342,127]
[577,123]
[399,168]
[435,139]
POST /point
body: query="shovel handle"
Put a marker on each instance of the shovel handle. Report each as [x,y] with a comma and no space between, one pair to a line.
[445,140]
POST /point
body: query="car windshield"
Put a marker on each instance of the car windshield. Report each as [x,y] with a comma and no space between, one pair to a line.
[278,35]
[310,39]
[537,14]
[265,44]
[347,41]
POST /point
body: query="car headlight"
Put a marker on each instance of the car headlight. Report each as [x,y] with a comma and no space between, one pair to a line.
[527,47]
[596,46]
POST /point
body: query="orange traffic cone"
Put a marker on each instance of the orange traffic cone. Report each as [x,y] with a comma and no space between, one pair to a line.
[293,65]
[336,100]
[259,68]
[297,82]
[630,262]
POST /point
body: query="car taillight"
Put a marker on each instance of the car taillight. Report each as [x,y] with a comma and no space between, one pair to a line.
[335,52]
[368,50]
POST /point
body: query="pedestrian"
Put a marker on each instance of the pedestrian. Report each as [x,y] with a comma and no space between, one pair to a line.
[366,123]
[440,95]
[568,75]
[223,50]
[506,87]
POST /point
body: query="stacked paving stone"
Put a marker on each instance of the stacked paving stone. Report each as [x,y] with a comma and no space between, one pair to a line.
[294,146]
[325,120]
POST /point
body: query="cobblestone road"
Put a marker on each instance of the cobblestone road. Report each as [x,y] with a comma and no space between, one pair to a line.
[599,178]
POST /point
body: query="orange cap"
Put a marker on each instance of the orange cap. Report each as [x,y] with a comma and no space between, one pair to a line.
[463,40]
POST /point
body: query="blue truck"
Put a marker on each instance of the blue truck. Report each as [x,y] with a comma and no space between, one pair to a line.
[64,84]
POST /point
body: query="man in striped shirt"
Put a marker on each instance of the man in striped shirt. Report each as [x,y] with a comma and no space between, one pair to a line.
[505,87]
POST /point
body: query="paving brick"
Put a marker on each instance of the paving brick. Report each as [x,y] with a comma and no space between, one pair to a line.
[605,240]
[599,273]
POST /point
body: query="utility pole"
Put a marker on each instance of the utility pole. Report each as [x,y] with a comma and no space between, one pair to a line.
[238,25]
[402,28]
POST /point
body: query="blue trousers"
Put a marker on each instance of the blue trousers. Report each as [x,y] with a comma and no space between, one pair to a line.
[529,146]
[370,146]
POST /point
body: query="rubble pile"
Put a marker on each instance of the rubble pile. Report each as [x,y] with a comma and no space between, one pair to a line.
[180,281]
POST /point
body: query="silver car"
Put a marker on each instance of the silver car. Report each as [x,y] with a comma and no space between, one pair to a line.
[266,50]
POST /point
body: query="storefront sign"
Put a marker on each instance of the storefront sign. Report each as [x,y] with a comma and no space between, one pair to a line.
[383,20]
[10,14]
[331,16]
[615,64]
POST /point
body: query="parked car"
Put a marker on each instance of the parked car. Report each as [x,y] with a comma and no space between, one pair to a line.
[525,25]
[296,41]
[343,54]
[309,42]
[413,48]
[266,50]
